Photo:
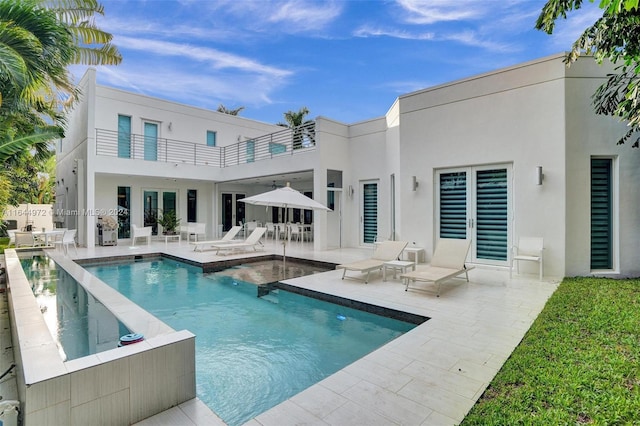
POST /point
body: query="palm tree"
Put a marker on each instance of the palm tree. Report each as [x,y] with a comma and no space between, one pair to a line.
[38,40]
[224,110]
[295,120]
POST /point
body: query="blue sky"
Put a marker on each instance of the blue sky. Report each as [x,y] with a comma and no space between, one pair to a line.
[345,60]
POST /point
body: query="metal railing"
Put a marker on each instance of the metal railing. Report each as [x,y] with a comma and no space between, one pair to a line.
[112,143]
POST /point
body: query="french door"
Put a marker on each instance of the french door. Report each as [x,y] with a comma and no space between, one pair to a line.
[155,203]
[474,202]
[232,210]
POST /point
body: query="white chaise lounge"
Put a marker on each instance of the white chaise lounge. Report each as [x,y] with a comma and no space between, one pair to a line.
[385,251]
[448,262]
[252,242]
[227,238]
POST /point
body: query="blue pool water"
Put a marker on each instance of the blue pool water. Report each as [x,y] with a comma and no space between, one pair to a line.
[79,324]
[251,353]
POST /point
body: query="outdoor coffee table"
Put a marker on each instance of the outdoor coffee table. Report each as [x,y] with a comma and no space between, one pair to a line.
[397,265]
[175,236]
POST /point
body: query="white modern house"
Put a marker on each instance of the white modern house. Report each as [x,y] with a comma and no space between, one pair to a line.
[514,152]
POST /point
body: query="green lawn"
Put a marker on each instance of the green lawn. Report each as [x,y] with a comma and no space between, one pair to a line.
[578,364]
[4,242]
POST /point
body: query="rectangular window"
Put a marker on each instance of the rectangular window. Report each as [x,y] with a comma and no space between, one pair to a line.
[211,138]
[601,213]
[251,151]
[369,212]
[124,136]
[151,141]
[192,203]
[277,148]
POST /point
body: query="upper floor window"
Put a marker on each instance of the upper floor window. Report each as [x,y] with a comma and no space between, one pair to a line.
[211,138]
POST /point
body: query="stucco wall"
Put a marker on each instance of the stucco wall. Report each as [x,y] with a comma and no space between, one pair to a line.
[514,118]
[591,135]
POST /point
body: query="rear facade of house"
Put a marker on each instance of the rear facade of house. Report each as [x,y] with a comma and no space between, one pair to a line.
[510,153]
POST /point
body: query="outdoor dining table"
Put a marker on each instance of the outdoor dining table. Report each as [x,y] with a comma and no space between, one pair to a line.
[48,234]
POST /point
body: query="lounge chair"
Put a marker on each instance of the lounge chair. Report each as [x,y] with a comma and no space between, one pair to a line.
[385,251]
[227,238]
[448,262]
[252,242]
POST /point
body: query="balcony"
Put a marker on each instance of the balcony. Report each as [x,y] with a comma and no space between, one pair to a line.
[110,143]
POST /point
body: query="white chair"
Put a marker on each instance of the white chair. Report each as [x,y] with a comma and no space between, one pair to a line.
[271,229]
[529,249]
[295,231]
[24,239]
[137,232]
[12,237]
[68,238]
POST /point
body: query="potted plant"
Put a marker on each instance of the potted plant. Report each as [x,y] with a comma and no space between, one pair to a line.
[169,222]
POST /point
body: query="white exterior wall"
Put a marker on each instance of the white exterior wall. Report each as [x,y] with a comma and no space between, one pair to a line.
[534,114]
[590,135]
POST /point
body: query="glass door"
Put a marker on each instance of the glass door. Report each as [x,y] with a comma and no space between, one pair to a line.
[151,210]
[233,212]
[474,203]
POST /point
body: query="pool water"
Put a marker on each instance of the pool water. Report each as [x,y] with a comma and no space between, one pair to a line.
[79,324]
[251,352]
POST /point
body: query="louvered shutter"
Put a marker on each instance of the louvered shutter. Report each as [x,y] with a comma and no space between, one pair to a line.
[601,204]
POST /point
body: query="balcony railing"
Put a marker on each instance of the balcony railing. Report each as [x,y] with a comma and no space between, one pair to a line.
[140,147]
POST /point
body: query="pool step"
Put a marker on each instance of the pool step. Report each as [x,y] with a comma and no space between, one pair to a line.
[270,295]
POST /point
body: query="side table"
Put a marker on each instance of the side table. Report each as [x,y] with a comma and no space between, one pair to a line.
[396,265]
[415,251]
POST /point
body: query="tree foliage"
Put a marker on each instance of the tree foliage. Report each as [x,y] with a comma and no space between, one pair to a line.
[223,109]
[615,37]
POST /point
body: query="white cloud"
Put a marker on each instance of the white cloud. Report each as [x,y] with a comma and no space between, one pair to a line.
[217,59]
[432,11]
[301,16]
[368,31]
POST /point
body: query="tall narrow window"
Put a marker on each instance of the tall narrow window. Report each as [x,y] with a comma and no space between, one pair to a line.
[251,151]
[211,138]
[601,213]
[369,212]
[124,136]
[192,204]
[151,141]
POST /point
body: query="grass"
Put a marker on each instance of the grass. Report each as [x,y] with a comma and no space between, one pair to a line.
[578,364]
[4,242]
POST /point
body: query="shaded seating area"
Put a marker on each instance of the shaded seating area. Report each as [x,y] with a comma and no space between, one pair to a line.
[448,262]
[227,238]
[251,243]
[138,232]
[385,251]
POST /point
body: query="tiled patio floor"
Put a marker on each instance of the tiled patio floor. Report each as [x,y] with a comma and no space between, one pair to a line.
[431,375]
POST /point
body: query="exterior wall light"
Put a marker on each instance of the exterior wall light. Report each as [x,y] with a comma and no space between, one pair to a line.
[539,175]
[414,183]
[350,191]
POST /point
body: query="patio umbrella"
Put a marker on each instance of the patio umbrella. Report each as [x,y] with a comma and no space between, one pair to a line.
[287,198]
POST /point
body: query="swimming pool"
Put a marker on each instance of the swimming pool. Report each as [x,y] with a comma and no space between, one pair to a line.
[251,352]
[79,324]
